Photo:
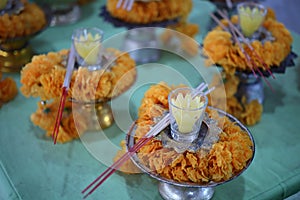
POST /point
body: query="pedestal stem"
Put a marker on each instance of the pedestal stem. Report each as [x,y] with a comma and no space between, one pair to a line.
[142,45]
[173,192]
[251,88]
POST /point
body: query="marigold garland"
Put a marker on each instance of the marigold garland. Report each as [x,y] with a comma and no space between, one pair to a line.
[220,48]
[249,113]
[8,89]
[155,11]
[44,75]
[31,20]
[226,158]
[69,129]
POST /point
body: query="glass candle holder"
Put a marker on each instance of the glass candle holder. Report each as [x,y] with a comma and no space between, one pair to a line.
[187,110]
[88,48]
[251,16]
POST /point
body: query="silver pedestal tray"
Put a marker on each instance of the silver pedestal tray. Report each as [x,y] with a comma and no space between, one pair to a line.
[171,189]
[65,15]
[142,45]
[63,11]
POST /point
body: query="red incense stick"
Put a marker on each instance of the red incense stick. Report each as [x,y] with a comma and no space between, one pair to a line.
[116,165]
[59,113]
[65,88]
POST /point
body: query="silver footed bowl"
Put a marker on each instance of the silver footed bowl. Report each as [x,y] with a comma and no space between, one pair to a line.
[171,189]
[63,11]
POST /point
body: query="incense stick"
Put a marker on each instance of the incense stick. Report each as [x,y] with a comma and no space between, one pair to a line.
[219,22]
[109,168]
[141,142]
[162,124]
[65,88]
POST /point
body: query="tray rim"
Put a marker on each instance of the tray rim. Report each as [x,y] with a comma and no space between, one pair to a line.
[135,160]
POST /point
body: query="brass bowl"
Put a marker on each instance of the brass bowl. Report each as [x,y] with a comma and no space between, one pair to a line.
[102,117]
[14,54]
[99,113]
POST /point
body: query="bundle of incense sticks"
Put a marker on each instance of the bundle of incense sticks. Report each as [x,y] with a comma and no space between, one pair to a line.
[162,124]
[65,88]
[236,33]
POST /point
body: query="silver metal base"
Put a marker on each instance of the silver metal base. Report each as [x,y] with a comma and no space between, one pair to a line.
[142,45]
[67,15]
[171,189]
[173,192]
[250,87]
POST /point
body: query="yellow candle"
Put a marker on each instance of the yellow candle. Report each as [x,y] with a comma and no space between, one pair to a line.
[186,111]
[88,47]
[250,19]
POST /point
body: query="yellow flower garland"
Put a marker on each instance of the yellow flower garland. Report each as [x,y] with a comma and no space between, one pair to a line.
[44,75]
[155,11]
[221,50]
[248,113]
[69,128]
[8,89]
[29,21]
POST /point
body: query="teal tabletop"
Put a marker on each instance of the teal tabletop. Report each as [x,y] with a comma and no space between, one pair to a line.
[33,168]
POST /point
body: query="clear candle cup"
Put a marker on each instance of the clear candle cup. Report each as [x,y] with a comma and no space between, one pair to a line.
[187,109]
[88,47]
[251,16]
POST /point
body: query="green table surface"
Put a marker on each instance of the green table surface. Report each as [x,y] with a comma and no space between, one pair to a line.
[31,167]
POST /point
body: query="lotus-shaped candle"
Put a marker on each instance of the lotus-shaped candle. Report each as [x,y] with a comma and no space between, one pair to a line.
[251,16]
[187,111]
[87,43]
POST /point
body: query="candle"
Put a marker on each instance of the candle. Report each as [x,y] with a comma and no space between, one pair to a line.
[187,111]
[87,44]
[251,16]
